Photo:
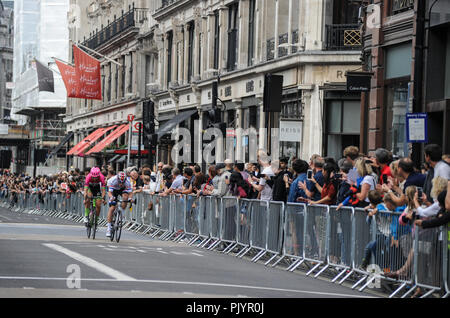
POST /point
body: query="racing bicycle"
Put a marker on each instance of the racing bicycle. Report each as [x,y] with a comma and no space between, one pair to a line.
[91,227]
[117,221]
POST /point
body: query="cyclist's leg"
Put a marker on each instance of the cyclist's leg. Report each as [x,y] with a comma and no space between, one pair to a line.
[98,205]
[115,194]
[87,204]
[124,198]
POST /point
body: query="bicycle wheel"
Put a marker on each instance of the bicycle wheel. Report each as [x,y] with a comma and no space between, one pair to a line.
[112,226]
[94,226]
[89,225]
[118,226]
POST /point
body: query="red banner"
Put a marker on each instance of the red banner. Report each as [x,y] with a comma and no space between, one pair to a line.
[88,73]
[69,78]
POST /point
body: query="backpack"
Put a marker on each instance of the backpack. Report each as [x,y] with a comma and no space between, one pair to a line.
[352,193]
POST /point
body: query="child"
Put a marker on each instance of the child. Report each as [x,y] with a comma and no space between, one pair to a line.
[387,224]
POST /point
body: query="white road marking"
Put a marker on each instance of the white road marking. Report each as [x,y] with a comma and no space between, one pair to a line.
[91,263]
[195,283]
[6,218]
[177,253]
[196,254]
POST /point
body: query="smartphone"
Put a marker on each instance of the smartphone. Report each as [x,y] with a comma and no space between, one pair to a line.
[309,174]
[385,179]
[419,193]
[338,175]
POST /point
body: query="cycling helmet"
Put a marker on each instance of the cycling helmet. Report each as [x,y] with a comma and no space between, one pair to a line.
[95,172]
[122,177]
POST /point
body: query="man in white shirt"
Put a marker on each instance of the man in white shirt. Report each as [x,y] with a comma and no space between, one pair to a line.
[265,185]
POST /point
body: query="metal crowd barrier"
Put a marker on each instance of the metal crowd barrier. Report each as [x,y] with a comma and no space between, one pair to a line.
[318,236]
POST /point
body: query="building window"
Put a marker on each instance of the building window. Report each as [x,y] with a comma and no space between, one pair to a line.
[169,57]
[291,111]
[291,106]
[398,6]
[122,91]
[216,40]
[130,83]
[117,81]
[251,32]
[191,51]
[396,109]
[233,31]
[342,127]
[109,82]
[199,71]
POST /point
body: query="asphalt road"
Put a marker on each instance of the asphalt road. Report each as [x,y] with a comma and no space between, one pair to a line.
[46,257]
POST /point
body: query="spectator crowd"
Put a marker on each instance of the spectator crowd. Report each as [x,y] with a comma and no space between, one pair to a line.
[377,183]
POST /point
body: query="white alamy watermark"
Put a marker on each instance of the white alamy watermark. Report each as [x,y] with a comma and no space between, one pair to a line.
[375,276]
[74,279]
[373,20]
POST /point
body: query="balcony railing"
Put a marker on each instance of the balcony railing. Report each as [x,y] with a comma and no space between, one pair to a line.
[133,18]
[342,37]
[166,3]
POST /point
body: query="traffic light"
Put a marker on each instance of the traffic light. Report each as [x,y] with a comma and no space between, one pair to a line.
[150,138]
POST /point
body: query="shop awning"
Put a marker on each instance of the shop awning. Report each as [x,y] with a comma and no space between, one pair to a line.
[123,159]
[86,142]
[171,124]
[108,140]
[94,139]
[64,141]
[113,159]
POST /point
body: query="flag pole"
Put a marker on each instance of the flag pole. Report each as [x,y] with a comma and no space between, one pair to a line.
[95,52]
[55,58]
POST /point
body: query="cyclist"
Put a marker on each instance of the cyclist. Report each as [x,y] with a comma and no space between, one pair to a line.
[94,189]
[118,185]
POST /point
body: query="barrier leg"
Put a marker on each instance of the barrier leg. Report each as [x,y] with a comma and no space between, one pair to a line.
[429,293]
[409,291]
[359,282]
[313,269]
[244,251]
[258,256]
[214,245]
[270,260]
[346,277]
[321,271]
[296,264]
[397,291]
[193,240]
[339,275]
[368,283]
[278,261]
[230,248]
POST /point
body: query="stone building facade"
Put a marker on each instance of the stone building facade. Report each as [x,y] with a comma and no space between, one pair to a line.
[311,43]
[112,29]
[175,50]
[408,51]
[6,58]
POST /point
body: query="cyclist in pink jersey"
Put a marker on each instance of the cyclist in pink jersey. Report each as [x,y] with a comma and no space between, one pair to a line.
[94,188]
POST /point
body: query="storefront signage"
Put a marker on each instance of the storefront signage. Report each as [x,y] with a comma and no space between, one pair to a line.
[358,81]
[291,131]
[416,128]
